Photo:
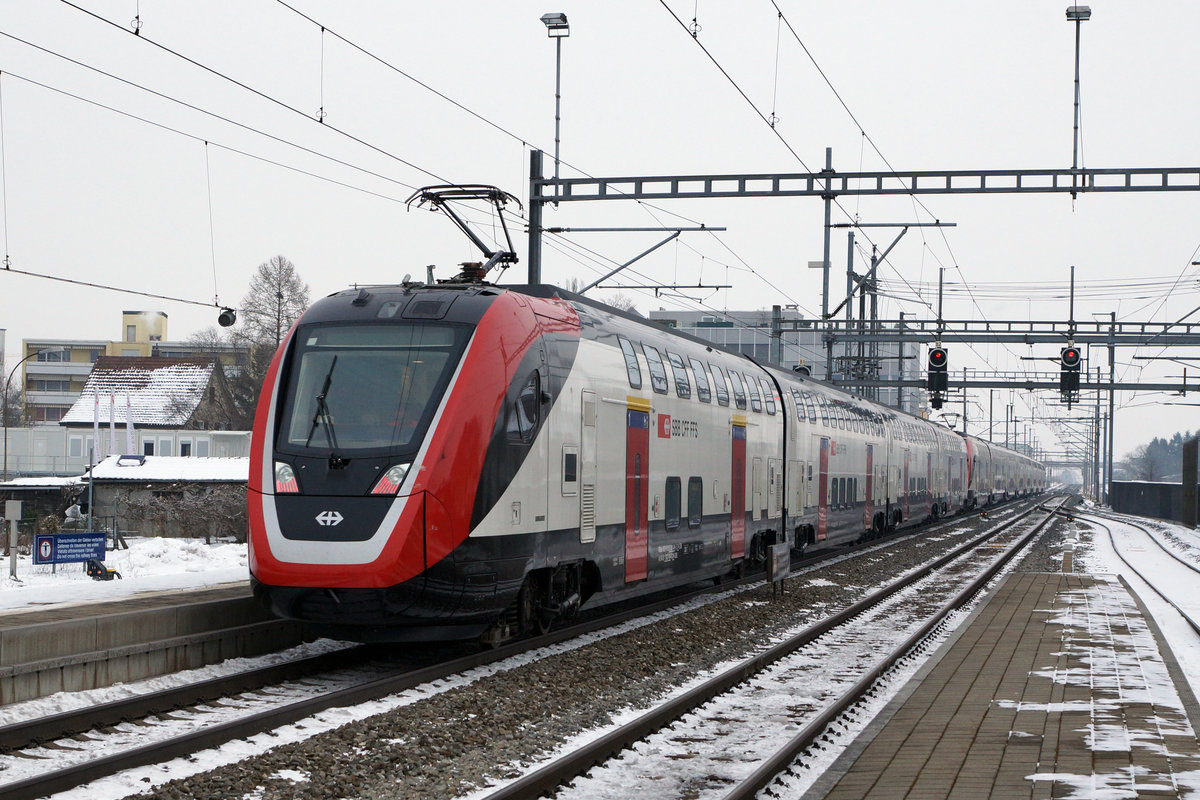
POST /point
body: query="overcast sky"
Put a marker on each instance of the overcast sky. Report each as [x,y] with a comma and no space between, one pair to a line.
[92,195]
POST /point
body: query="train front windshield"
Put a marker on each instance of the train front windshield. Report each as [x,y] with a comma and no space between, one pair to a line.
[367,388]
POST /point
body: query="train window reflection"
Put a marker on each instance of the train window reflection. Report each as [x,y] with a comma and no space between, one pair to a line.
[364,387]
[722,387]
[658,373]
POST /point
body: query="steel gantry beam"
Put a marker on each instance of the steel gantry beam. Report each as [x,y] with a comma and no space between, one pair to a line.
[831,182]
[1100,332]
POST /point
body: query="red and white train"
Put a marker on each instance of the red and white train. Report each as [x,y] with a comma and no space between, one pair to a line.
[465,460]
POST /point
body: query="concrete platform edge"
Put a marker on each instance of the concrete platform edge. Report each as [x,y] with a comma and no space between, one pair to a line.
[841,766]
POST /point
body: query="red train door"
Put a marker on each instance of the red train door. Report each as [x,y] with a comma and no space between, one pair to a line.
[823,492]
[869,505]
[637,493]
[737,483]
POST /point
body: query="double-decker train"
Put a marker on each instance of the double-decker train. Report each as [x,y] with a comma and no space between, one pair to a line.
[467,460]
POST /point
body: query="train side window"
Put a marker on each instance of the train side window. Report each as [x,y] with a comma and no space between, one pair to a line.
[702,390]
[658,373]
[755,400]
[683,386]
[824,407]
[631,363]
[672,505]
[525,412]
[768,395]
[739,391]
[721,385]
[811,405]
[695,501]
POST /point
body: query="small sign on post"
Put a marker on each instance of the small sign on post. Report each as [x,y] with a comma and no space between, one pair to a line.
[779,565]
[68,548]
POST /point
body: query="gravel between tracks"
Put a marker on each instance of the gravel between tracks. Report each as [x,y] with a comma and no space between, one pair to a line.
[451,743]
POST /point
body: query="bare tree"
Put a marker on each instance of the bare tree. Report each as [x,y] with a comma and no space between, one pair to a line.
[1148,462]
[10,411]
[189,510]
[276,299]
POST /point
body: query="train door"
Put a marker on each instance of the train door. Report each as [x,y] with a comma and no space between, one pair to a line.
[756,478]
[869,505]
[737,485]
[823,492]
[795,487]
[637,492]
[773,495]
[587,470]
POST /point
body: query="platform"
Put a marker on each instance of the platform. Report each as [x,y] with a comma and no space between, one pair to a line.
[89,645]
[1057,686]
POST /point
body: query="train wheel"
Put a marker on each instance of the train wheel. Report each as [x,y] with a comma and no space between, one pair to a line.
[527,602]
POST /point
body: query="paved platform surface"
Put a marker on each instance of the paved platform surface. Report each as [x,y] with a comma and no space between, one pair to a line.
[1055,687]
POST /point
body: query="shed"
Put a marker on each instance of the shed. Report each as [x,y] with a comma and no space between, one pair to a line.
[173,496]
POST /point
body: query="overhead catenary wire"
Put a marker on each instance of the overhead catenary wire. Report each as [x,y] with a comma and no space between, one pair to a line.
[227,148]
[263,95]
[190,106]
[325,28]
[92,285]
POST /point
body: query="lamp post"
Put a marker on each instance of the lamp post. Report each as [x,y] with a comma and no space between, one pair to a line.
[7,382]
[557,29]
[1076,14]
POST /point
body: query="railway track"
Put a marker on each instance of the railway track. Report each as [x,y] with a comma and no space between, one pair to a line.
[1186,569]
[260,707]
[745,676]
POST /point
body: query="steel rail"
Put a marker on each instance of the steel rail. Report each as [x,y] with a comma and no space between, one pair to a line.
[28,733]
[69,777]
[1112,540]
[777,763]
[553,775]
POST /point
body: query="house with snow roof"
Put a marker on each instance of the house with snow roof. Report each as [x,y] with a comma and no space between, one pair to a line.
[154,393]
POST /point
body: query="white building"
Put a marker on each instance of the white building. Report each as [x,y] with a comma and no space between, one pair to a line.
[800,345]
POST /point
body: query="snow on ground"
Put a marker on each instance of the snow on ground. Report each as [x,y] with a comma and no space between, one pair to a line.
[161,564]
[1178,583]
[149,565]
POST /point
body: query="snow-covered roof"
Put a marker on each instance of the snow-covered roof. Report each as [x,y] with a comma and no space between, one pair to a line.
[172,468]
[162,392]
[41,483]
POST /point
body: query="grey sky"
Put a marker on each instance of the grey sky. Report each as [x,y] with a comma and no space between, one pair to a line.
[96,196]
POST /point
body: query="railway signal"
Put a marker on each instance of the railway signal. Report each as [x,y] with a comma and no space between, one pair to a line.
[939,376]
[1068,376]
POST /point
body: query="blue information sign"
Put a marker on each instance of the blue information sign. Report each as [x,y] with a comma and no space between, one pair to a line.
[67,548]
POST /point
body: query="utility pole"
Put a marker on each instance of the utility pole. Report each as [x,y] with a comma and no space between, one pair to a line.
[828,197]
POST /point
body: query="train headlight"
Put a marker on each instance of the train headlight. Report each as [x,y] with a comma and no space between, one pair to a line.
[285,479]
[392,480]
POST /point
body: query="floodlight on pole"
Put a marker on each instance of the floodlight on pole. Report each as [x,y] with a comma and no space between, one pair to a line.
[557,29]
[1076,14]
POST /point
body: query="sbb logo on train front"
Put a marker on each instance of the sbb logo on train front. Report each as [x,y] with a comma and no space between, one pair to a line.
[329,518]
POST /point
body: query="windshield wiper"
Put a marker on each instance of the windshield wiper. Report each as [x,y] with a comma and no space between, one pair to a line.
[322,414]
